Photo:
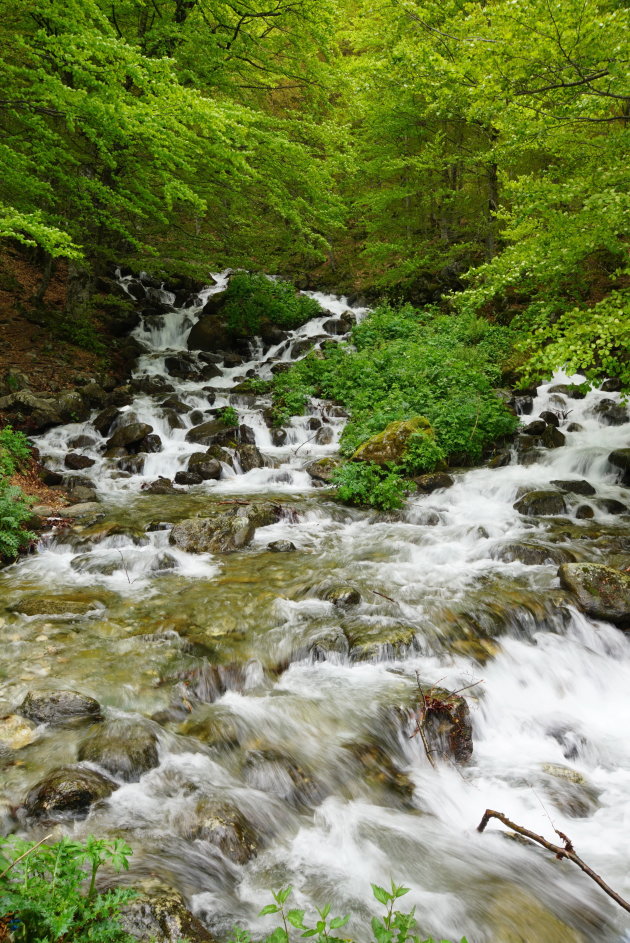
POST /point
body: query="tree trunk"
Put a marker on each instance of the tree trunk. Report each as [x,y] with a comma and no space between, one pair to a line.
[80,288]
[48,270]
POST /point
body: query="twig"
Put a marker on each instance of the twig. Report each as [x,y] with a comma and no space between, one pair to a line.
[13,863]
[130,581]
[295,451]
[567,851]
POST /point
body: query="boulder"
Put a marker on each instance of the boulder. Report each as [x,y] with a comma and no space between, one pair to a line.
[532,554]
[15,732]
[390,444]
[187,478]
[215,432]
[224,533]
[611,506]
[161,916]
[30,410]
[134,464]
[160,486]
[584,512]
[176,404]
[184,367]
[208,468]
[129,434]
[552,438]
[67,792]
[270,771]
[445,721]
[124,750]
[221,824]
[81,441]
[601,591]
[551,419]
[59,707]
[620,458]
[152,386]
[536,503]
[428,483]
[106,419]
[340,595]
[537,427]
[249,457]
[281,546]
[611,413]
[76,462]
[378,769]
[611,386]
[325,435]
[323,469]
[574,487]
[150,443]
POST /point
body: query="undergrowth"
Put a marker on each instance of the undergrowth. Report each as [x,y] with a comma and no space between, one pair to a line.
[404,363]
[253,300]
[14,505]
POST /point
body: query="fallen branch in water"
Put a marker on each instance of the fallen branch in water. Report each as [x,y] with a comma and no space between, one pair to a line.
[565,851]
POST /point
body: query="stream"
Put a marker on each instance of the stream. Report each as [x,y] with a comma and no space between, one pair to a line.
[272,682]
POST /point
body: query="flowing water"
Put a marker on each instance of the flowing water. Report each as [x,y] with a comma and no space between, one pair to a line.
[301,734]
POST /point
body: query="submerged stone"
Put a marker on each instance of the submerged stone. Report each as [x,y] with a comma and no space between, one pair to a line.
[601,591]
[67,792]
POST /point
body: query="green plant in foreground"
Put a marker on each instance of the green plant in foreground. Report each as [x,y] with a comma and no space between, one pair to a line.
[228,416]
[14,514]
[393,927]
[14,450]
[48,892]
[363,483]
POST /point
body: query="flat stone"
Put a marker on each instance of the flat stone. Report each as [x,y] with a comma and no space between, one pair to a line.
[59,707]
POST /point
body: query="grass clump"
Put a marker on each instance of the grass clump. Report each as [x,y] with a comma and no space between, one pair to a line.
[48,892]
[405,363]
[14,505]
[252,301]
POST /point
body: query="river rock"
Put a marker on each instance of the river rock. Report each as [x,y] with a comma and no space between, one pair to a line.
[429,483]
[611,413]
[532,554]
[129,434]
[372,642]
[281,546]
[620,458]
[378,769]
[535,428]
[161,916]
[125,751]
[249,457]
[134,464]
[339,594]
[81,441]
[16,732]
[272,772]
[160,486]
[323,469]
[182,366]
[106,419]
[187,478]
[222,824]
[200,463]
[59,605]
[67,792]
[215,432]
[325,435]
[550,418]
[224,533]
[611,506]
[601,591]
[584,512]
[76,462]
[59,707]
[445,722]
[552,438]
[176,404]
[390,444]
[516,916]
[536,503]
[574,487]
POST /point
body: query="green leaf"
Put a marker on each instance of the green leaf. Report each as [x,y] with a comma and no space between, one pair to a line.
[269,909]
[296,918]
[381,895]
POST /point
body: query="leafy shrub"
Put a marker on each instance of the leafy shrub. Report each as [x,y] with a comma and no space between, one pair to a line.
[364,483]
[252,300]
[404,363]
[14,513]
[228,416]
[393,927]
[14,450]
[48,892]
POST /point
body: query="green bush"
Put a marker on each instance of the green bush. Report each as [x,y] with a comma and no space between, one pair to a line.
[14,450]
[228,416]
[14,514]
[363,483]
[253,300]
[404,363]
[393,927]
[48,892]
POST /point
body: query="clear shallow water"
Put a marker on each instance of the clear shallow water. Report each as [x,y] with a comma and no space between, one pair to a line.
[317,682]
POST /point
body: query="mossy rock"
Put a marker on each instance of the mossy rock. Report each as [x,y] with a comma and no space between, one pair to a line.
[67,792]
[374,642]
[539,503]
[59,707]
[123,750]
[601,591]
[323,469]
[389,445]
[55,606]
[161,916]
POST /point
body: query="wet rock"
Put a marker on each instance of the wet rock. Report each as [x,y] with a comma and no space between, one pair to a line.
[552,438]
[53,605]
[216,432]
[281,546]
[585,512]
[314,423]
[500,460]
[183,367]
[339,594]
[160,486]
[50,477]
[161,916]
[620,458]
[224,533]
[59,707]
[150,443]
[176,404]
[535,428]
[572,390]
[67,792]
[372,642]
[524,404]
[15,732]
[106,419]
[129,434]
[532,554]
[611,506]
[136,289]
[537,503]
[120,396]
[575,427]
[188,478]
[302,347]
[611,386]
[550,418]
[611,413]
[378,769]
[152,386]
[76,462]
[80,494]
[325,435]
[122,749]
[134,464]
[279,436]
[81,441]
[221,824]
[516,916]
[390,444]
[272,772]
[200,463]
[94,563]
[445,720]
[569,792]
[323,469]
[163,562]
[249,457]
[429,483]
[602,592]
[574,487]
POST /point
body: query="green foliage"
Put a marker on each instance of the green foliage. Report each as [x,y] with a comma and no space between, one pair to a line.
[228,416]
[393,927]
[254,300]
[14,450]
[363,483]
[407,362]
[50,895]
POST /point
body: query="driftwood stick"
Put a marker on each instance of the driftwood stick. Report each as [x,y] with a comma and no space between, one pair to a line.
[25,855]
[560,852]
